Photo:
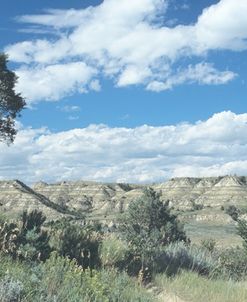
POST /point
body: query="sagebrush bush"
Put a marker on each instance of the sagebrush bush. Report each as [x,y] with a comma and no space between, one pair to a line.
[63,280]
[28,273]
[10,290]
[178,256]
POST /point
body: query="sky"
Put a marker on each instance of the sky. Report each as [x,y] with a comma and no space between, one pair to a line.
[127,91]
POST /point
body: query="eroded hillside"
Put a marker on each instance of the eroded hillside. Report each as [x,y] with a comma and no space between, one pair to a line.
[93,197]
[198,201]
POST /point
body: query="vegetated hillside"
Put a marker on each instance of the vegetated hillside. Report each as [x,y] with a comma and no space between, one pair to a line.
[199,201]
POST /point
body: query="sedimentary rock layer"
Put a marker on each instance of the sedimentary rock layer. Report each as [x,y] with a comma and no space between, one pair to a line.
[69,198]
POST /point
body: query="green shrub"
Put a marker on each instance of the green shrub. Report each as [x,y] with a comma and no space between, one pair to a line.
[113,251]
[116,253]
[196,206]
[3,217]
[63,280]
[28,273]
[233,211]
[233,263]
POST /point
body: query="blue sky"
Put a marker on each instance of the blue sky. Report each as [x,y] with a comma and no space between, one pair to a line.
[163,63]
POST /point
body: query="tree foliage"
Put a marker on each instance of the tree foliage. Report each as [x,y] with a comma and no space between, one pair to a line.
[11,103]
[149,224]
[33,240]
[77,242]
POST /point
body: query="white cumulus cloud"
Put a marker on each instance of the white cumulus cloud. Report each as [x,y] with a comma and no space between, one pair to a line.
[202,73]
[53,82]
[216,146]
[128,42]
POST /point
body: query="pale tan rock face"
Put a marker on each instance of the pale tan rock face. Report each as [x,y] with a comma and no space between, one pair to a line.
[90,196]
[178,191]
[228,190]
[210,191]
[15,198]
[109,199]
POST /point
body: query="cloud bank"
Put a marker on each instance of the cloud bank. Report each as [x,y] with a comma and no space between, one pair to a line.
[128,42]
[145,154]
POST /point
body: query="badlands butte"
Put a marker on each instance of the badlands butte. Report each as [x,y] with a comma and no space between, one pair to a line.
[199,202]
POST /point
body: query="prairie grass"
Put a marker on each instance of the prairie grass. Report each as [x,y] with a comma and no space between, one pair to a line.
[191,287]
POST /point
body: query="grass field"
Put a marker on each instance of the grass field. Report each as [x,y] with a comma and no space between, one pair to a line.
[210,223]
[189,287]
[224,234]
